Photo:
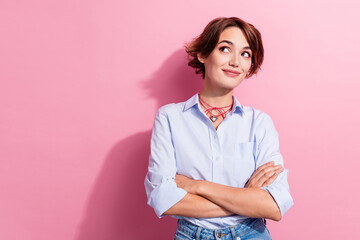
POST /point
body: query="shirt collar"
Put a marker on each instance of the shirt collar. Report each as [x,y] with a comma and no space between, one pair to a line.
[237,106]
[194,100]
[191,102]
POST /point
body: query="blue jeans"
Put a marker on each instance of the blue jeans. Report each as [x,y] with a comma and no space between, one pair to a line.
[251,228]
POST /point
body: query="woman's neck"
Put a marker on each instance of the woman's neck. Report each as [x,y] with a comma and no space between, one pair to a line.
[219,98]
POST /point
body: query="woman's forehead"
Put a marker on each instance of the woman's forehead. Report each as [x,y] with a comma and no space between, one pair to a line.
[233,36]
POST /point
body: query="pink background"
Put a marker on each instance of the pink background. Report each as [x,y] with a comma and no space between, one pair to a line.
[81,82]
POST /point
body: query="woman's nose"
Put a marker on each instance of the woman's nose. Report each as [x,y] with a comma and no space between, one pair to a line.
[234,61]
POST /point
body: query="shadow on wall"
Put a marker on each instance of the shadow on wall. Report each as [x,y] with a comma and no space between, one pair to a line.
[117,207]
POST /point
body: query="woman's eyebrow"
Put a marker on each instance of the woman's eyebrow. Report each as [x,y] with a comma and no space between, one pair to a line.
[226,41]
[230,43]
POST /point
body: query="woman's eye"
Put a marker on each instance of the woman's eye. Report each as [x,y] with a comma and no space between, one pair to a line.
[246,54]
[225,49]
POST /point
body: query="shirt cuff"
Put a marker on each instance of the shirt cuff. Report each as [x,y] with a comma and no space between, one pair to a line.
[280,192]
[165,195]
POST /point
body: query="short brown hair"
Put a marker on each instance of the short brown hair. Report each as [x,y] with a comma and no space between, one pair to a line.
[206,42]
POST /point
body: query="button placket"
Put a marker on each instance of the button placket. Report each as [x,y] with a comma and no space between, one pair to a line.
[216,164]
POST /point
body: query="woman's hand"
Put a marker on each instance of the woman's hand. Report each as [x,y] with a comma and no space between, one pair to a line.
[264,175]
[188,184]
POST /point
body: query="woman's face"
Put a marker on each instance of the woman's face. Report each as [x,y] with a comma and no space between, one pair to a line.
[229,62]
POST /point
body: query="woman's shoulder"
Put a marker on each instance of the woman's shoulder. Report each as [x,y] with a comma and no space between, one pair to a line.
[171,108]
[249,112]
[255,113]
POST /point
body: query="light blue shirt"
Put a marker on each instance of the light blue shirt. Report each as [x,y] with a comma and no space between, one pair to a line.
[184,141]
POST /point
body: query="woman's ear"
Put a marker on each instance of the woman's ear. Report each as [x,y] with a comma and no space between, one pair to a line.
[201,59]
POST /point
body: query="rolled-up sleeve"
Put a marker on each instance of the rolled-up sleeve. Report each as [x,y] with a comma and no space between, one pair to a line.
[161,189]
[267,150]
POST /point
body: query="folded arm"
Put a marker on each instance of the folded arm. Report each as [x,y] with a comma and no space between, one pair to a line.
[196,206]
[249,202]
[207,199]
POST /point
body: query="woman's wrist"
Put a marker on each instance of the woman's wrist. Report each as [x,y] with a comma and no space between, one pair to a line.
[199,185]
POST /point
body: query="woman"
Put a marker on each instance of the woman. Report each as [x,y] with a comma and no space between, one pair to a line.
[215,164]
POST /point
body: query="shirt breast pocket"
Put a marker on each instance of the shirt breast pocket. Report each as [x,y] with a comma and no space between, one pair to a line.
[244,165]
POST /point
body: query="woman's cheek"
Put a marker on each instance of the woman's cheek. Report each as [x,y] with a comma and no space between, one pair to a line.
[247,64]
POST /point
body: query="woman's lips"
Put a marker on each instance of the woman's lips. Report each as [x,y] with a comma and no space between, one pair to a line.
[231,73]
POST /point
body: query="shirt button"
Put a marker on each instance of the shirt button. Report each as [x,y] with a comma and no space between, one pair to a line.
[238,238]
[217,158]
